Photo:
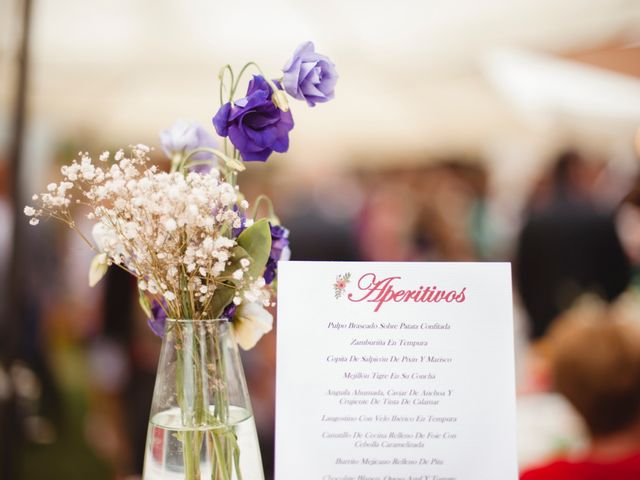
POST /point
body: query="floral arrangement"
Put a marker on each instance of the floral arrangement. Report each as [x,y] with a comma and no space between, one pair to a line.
[196,248]
[188,235]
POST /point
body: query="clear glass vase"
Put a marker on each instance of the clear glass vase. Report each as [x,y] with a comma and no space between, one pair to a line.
[201,424]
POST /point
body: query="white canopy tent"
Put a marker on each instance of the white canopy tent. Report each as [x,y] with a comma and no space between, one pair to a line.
[111,72]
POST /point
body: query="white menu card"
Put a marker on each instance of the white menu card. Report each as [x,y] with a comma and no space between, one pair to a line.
[395,371]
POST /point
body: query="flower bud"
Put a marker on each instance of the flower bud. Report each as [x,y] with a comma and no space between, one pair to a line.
[98,268]
[279,98]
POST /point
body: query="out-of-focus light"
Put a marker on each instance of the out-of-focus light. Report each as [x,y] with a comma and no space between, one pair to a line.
[542,84]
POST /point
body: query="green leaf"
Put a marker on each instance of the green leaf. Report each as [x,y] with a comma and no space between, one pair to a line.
[256,240]
[145,304]
[225,293]
[237,254]
[221,298]
[232,163]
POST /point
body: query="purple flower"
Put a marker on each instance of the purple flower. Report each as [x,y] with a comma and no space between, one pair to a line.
[279,251]
[229,311]
[159,317]
[255,126]
[310,76]
[183,137]
[235,232]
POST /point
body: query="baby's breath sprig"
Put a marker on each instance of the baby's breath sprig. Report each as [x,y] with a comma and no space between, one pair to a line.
[172,230]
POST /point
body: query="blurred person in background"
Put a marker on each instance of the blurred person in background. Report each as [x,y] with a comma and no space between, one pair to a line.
[386,221]
[320,217]
[568,245]
[451,199]
[594,360]
[628,226]
[432,213]
[122,359]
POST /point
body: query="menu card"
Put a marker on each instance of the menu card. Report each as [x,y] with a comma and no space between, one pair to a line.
[395,371]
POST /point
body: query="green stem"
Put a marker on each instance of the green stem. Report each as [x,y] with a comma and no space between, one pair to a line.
[232,163]
[222,403]
[221,77]
[226,449]
[223,470]
[242,70]
[191,461]
[236,456]
[270,209]
[274,87]
[201,366]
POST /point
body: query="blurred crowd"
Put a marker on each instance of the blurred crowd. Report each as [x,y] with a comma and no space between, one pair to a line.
[85,364]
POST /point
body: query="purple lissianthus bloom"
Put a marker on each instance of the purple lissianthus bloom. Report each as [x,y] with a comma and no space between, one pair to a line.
[254,124]
[159,319]
[310,76]
[229,311]
[279,251]
[183,137]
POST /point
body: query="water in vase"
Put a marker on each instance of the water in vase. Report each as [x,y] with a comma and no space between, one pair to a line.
[164,458]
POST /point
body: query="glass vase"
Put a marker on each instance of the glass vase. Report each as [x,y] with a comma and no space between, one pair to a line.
[201,424]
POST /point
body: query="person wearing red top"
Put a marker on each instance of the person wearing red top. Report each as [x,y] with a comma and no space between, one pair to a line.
[622,469]
[595,364]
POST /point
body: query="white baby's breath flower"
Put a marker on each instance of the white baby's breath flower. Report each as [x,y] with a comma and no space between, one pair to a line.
[170,224]
[29,211]
[224,242]
[101,235]
[34,222]
[218,268]
[172,272]
[88,172]
[238,274]
[207,244]
[157,224]
[222,255]
[250,323]
[130,230]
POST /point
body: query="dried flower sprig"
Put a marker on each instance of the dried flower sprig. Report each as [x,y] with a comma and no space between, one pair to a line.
[187,235]
[172,231]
